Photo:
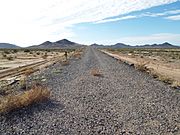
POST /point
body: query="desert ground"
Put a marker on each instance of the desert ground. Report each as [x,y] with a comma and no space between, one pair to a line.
[16,57]
[93,93]
[162,63]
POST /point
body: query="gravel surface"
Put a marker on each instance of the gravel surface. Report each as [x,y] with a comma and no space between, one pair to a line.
[122,101]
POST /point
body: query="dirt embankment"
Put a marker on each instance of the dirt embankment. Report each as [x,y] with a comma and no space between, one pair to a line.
[165,71]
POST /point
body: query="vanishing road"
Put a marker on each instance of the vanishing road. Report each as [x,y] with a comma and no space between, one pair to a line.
[123,101]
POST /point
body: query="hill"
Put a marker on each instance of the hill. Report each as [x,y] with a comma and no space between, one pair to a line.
[64,43]
[8,46]
[164,45]
[121,45]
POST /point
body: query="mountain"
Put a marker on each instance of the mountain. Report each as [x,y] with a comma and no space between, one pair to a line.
[97,45]
[121,45]
[46,43]
[64,43]
[118,45]
[164,45]
[8,46]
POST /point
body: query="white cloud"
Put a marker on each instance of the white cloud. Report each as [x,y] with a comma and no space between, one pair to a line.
[117,19]
[27,22]
[151,39]
[175,17]
[171,12]
[148,14]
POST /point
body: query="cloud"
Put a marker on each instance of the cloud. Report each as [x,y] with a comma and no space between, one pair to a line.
[175,17]
[148,14]
[151,39]
[32,22]
[162,13]
[117,19]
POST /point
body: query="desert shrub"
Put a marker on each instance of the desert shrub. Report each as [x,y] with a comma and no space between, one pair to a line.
[4,55]
[131,51]
[29,71]
[15,51]
[96,72]
[65,63]
[176,84]
[7,52]
[77,55]
[26,50]
[22,82]
[38,53]
[10,58]
[165,79]
[45,56]
[36,94]
[142,66]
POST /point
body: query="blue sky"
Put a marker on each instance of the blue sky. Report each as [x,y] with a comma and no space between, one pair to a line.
[140,26]
[135,22]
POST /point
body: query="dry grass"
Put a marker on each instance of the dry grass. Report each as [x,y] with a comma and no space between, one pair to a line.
[36,94]
[176,84]
[142,66]
[96,72]
[45,56]
[10,58]
[165,79]
[29,71]
[77,55]
[65,63]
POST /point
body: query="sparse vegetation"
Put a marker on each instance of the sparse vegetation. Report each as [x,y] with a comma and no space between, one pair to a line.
[165,79]
[96,72]
[36,94]
[29,71]
[7,52]
[65,63]
[4,55]
[163,63]
[77,55]
[45,56]
[26,50]
[10,58]
[23,93]
[15,51]
[142,66]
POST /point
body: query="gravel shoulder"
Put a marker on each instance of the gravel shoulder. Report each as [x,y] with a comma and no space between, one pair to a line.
[121,101]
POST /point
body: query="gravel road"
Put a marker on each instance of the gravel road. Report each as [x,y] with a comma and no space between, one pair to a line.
[122,101]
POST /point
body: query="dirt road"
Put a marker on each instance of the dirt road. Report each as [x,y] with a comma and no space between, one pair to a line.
[121,101]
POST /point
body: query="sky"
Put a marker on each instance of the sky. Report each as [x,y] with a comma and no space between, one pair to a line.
[134,22]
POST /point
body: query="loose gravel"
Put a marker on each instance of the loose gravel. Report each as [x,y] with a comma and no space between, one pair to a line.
[122,101]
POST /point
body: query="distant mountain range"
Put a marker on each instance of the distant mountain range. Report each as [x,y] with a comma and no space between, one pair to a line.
[121,45]
[64,43]
[8,46]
